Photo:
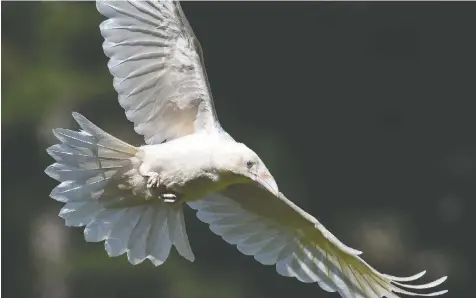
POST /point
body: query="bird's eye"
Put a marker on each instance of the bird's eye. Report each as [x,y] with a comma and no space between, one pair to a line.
[250,164]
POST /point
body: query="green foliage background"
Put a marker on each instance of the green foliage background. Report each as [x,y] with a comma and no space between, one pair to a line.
[364,113]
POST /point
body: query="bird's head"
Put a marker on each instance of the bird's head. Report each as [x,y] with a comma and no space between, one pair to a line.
[246,165]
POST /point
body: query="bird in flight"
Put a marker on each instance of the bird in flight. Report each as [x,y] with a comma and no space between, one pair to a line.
[132,198]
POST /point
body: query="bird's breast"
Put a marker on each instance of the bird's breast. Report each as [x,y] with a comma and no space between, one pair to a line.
[184,167]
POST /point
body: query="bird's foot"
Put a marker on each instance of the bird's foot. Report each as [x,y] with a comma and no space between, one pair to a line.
[166,195]
[153,180]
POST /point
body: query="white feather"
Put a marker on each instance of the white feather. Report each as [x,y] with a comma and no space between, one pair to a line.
[77,214]
[100,228]
[90,166]
[159,245]
[62,172]
[158,69]
[178,234]
[268,254]
[297,244]
[77,190]
[138,239]
[117,242]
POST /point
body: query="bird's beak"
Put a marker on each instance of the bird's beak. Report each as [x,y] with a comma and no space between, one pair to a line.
[266,181]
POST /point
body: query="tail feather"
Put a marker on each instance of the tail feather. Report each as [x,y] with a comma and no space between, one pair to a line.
[159,244]
[84,140]
[73,191]
[63,172]
[118,240]
[83,158]
[138,240]
[104,138]
[77,214]
[100,228]
[90,166]
[178,233]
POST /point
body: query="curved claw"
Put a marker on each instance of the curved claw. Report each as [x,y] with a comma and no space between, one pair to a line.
[154,180]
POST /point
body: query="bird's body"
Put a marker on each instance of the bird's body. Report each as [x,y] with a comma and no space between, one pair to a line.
[132,198]
[189,166]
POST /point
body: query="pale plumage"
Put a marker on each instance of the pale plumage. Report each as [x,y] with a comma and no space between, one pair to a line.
[158,68]
[90,165]
[116,190]
[276,232]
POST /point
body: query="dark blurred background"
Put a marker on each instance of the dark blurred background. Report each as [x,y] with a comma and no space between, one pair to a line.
[364,112]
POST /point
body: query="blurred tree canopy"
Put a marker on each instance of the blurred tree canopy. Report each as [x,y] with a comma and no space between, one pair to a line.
[364,113]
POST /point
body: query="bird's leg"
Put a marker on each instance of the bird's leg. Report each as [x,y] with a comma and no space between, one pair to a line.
[164,194]
[169,197]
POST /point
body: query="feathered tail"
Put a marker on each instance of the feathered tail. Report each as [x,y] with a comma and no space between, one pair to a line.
[91,166]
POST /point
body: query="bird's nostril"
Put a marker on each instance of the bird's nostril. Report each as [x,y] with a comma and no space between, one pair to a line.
[266,175]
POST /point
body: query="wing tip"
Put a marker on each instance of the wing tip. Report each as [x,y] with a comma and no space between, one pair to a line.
[78,117]
[405,279]
[428,285]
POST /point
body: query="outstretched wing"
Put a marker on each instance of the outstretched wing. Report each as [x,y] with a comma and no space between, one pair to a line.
[158,69]
[277,232]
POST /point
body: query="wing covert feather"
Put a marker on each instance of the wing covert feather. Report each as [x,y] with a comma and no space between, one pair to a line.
[277,232]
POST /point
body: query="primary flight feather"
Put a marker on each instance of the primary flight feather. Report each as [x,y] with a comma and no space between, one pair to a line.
[132,197]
